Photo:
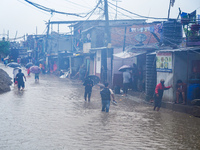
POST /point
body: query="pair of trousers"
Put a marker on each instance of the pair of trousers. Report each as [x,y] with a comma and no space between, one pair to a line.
[105,105]
[125,88]
[158,101]
[87,94]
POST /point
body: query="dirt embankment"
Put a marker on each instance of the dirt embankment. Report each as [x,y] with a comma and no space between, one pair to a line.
[5,81]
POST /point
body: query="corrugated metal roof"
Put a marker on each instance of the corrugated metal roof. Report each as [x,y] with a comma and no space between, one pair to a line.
[176,50]
[180,49]
[126,54]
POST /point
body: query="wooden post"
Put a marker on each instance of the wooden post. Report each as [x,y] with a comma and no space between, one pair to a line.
[169,9]
[124,45]
[46,45]
[107,39]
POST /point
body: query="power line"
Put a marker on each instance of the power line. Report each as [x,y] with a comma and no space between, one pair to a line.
[31,7]
[55,11]
[17,38]
[92,12]
[120,12]
[135,13]
[76,4]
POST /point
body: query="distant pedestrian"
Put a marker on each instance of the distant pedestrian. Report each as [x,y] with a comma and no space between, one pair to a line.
[126,81]
[106,94]
[5,62]
[36,77]
[134,77]
[159,94]
[28,71]
[181,89]
[88,83]
[20,80]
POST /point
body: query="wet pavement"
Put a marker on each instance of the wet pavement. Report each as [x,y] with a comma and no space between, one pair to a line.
[52,115]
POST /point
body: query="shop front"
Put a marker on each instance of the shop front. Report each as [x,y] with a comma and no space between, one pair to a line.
[179,64]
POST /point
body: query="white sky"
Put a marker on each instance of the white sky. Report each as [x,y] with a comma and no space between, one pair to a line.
[23,18]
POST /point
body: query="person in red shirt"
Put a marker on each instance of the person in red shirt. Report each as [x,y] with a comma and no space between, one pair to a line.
[28,71]
[159,94]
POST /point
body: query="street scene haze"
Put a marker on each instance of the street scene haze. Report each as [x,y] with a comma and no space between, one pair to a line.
[100,74]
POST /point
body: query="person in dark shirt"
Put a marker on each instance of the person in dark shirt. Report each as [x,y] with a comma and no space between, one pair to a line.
[88,88]
[106,94]
[181,89]
[20,80]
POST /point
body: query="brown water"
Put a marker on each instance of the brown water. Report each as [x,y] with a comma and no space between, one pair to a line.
[52,115]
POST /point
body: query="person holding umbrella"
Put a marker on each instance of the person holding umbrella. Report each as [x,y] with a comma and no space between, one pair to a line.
[28,65]
[36,70]
[126,77]
[88,83]
[20,80]
[126,81]
[36,77]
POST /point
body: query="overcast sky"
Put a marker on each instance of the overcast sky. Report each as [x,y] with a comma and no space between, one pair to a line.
[17,16]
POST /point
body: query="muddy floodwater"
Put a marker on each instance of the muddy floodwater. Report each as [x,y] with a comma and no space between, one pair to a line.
[52,115]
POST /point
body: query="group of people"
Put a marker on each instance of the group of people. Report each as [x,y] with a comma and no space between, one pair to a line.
[106,94]
[130,77]
[19,77]
[181,89]
[133,79]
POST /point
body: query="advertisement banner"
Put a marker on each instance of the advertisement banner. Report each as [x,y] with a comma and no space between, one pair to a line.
[164,62]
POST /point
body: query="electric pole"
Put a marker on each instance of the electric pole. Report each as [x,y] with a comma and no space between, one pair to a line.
[46,43]
[107,30]
[116,8]
[104,52]
[171,4]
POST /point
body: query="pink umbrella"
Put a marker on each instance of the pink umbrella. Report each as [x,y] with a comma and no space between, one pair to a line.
[35,69]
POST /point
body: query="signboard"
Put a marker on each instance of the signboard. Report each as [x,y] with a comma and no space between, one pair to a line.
[164,62]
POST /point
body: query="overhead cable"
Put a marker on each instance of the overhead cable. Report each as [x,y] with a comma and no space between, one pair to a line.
[135,13]
[81,24]
[55,11]
[120,12]
[76,4]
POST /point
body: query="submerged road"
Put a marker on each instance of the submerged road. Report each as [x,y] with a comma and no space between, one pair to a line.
[52,115]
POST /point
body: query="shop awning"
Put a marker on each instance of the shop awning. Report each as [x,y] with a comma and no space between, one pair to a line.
[190,49]
[180,49]
[126,54]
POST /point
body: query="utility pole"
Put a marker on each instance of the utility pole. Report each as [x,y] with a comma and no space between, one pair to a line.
[8,35]
[171,4]
[116,7]
[107,30]
[46,43]
[47,36]
[107,39]
[124,45]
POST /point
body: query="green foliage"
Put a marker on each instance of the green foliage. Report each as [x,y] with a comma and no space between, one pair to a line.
[4,47]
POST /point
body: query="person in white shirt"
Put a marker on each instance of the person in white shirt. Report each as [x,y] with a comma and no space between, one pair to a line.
[126,81]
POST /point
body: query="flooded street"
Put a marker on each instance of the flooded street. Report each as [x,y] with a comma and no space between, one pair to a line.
[52,115]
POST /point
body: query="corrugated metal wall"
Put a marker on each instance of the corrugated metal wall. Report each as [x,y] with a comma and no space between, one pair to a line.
[151,76]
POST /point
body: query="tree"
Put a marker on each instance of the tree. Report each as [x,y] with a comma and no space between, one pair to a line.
[4,47]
